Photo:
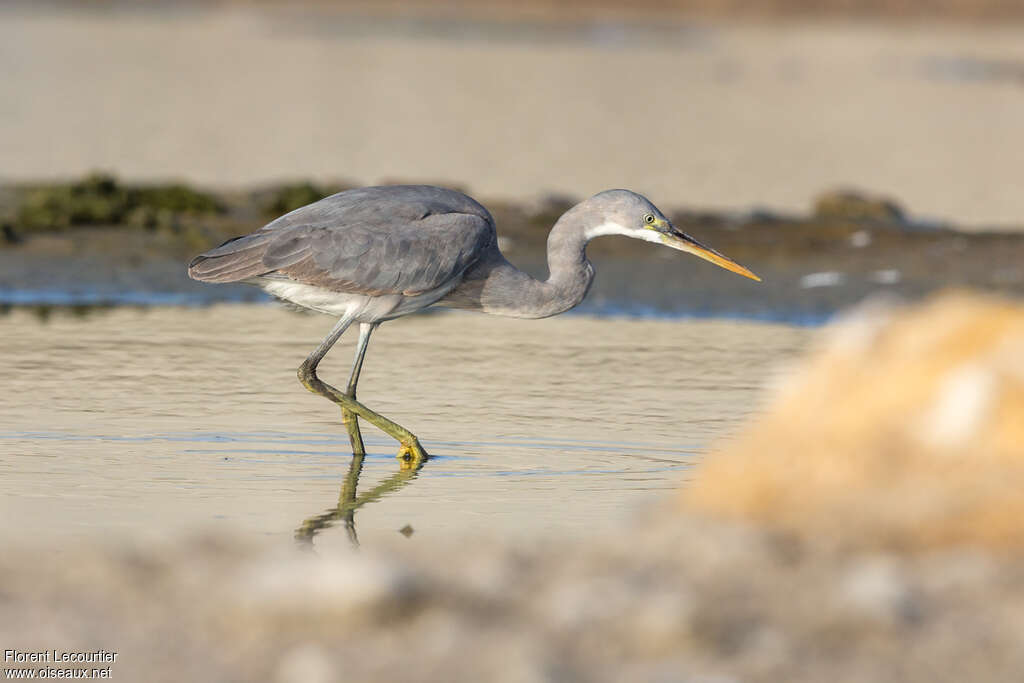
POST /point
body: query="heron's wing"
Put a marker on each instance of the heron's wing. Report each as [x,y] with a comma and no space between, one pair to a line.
[374,240]
[408,257]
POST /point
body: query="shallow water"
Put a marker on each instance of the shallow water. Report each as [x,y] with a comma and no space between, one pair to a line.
[166,420]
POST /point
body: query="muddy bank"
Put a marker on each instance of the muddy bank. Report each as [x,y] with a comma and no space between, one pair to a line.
[100,241]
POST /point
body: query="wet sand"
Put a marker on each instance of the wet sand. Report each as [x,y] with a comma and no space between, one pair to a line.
[722,115]
[135,423]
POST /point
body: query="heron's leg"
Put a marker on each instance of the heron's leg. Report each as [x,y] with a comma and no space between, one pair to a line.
[349,418]
[411,451]
[365,330]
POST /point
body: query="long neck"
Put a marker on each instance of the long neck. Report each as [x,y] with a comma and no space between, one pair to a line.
[569,272]
[500,288]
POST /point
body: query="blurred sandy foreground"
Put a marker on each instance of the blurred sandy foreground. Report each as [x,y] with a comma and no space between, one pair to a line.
[868,527]
[717,112]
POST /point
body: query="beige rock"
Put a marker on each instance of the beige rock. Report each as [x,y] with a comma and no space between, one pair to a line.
[906,429]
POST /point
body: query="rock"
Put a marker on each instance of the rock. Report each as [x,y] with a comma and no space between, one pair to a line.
[349,586]
[851,205]
[874,588]
[307,663]
[905,429]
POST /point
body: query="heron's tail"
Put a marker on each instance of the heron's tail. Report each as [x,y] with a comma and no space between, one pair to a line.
[237,259]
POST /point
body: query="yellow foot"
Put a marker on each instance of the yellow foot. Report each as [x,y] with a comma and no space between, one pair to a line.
[411,454]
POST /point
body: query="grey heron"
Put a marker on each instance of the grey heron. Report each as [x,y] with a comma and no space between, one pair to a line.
[377,253]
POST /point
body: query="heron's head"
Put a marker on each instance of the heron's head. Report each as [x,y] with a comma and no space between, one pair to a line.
[621,212]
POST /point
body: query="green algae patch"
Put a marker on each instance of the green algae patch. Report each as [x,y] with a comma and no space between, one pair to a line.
[282,199]
[100,199]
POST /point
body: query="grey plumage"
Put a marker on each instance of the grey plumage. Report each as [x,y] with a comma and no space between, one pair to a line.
[377,253]
[376,240]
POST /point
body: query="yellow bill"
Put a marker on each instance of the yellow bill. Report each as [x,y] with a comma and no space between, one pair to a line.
[682,242]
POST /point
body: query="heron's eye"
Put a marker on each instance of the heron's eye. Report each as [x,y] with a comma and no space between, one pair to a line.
[649,219]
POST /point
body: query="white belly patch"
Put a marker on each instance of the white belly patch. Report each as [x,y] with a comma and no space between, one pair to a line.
[314,298]
[363,307]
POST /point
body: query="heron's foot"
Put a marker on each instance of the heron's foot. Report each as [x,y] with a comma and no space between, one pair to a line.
[411,454]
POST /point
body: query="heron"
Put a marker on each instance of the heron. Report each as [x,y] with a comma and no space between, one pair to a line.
[373,254]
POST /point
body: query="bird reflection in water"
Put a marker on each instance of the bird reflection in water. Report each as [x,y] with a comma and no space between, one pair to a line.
[350,500]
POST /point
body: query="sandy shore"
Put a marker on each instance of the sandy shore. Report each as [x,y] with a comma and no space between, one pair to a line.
[718,115]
